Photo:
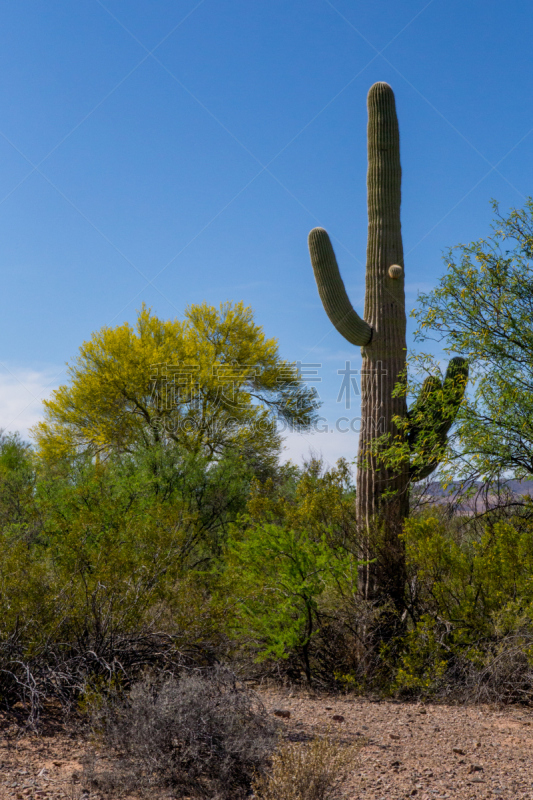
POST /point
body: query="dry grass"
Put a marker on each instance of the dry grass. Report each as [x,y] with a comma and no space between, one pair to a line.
[313,771]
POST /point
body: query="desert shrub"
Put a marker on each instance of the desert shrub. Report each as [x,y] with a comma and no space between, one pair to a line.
[113,578]
[202,735]
[469,573]
[291,572]
[504,672]
[423,663]
[471,606]
[280,576]
[313,771]
[437,662]
[74,612]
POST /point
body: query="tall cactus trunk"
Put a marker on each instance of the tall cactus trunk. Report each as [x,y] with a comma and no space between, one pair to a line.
[382,496]
[382,492]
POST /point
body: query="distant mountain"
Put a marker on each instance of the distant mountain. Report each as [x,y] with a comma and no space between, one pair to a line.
[481,497]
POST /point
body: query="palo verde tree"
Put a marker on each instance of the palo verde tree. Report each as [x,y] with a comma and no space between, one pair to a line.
[483,307]
[382,489]
[212,384]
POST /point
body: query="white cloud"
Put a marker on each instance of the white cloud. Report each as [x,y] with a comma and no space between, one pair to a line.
[21,394]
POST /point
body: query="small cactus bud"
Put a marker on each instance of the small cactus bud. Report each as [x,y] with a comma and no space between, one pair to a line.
[395,272]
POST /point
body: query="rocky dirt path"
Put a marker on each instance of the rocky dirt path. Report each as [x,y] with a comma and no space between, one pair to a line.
[422,751]
[47,766]
[409,750]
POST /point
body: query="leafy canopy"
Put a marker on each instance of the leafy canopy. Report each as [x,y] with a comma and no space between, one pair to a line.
[483,309]
[291,563]
[209,383]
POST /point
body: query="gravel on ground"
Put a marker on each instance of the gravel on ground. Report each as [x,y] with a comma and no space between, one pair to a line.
[409,750]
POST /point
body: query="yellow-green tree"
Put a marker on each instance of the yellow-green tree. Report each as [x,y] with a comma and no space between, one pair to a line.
[211,383]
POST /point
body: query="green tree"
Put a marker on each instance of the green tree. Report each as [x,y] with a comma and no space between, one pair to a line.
[291,568]
[17,482]
[210,383]
[483,309]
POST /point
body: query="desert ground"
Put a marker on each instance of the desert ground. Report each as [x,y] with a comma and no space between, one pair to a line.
[408,749]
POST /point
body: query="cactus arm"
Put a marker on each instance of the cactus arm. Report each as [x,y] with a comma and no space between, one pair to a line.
[421,415]
[420,473]
[434,412]
[454,386]
[422,419]
[332,292]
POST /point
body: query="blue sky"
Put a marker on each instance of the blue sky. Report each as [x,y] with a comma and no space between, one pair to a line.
[174,152]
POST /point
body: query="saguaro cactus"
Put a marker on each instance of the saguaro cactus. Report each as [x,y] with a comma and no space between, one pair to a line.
[382,492]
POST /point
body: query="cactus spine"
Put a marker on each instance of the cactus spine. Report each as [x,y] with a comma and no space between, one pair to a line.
[382,493]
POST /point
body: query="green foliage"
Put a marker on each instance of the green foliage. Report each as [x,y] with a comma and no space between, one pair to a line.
[421,440]
[483,309]
[290,561]
[313,499]
[473,574]
[117,570]
[16,482]
[424,659]
[472,589]
[210,383]
[280,576]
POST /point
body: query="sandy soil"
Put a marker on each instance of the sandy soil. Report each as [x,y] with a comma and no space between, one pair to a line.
[424,751]
[409,750]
